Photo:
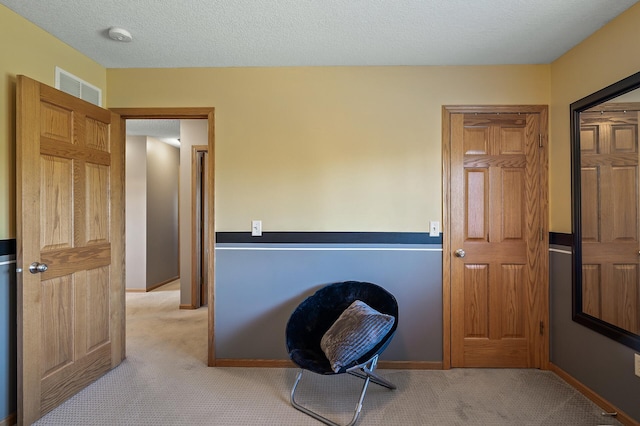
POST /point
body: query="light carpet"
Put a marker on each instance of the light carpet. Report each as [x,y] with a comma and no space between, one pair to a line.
[165,381]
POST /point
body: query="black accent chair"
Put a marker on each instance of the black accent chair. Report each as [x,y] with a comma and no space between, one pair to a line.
[315,315]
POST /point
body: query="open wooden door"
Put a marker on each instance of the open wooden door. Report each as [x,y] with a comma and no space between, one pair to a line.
[70,238]
[200,253]
[199,225]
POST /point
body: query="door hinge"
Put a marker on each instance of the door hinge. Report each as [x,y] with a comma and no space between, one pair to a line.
[540,140]
[541,328]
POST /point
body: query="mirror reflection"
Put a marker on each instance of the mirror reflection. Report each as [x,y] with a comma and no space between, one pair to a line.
[610,214]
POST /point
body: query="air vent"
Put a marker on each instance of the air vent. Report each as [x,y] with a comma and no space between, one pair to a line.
[77,87]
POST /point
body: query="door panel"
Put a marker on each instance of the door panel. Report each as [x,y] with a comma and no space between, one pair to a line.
[57,331]
[97,302]
[497,286]
[56,203]
[96,202]
[476,296]
[69,209]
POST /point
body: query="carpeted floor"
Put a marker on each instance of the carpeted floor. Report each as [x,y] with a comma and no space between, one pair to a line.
[165,381]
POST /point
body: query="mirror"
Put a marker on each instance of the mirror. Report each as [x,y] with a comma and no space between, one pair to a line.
[605,177]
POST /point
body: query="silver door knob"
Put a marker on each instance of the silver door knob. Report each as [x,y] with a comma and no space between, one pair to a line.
[36,267]
[460,253]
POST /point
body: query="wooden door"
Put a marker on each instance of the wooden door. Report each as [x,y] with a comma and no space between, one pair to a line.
[70,205]
[200,252]
[610,216]
[497,234]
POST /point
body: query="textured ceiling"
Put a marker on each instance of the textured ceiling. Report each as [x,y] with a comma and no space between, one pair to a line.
[163,129]
[155,128]
[240,33]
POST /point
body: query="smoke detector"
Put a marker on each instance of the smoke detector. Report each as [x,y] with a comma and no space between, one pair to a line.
[120,34]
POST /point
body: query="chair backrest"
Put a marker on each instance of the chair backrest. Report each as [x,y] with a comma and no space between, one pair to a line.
[313,317]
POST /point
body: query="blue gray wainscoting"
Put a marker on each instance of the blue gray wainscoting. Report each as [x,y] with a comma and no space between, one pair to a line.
[258,285]
[598,362]
[8,343]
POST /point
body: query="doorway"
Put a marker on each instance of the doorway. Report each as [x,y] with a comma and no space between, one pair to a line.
[495,250]
[187,114]
[152,163]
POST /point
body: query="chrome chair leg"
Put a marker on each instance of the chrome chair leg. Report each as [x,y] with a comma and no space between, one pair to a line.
[363,371]
[367,370]
[306,410]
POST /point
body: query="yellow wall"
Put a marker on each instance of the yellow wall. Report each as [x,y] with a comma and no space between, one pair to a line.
[609,55]
[328,148]
[335,148]
[28,50]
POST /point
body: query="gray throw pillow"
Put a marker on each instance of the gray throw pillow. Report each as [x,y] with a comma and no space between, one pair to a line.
[356,331]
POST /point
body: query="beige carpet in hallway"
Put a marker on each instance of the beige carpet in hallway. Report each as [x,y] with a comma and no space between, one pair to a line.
[165,381]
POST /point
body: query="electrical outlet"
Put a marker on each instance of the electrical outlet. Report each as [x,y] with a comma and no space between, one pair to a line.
[637,363]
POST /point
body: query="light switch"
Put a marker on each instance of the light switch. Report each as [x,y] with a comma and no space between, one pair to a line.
[256,228]
[434,228]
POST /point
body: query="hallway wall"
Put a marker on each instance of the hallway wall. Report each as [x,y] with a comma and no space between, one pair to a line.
[152,169]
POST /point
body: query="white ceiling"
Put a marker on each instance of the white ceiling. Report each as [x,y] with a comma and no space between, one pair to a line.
[167,130]
[241,33]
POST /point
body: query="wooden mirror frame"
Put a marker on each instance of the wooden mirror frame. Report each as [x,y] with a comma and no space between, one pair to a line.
[610,92]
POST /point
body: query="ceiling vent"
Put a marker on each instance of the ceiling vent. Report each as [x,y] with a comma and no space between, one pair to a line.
[77,87]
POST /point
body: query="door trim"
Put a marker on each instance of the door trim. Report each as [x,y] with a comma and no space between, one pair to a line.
[447,110]
[192,113]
